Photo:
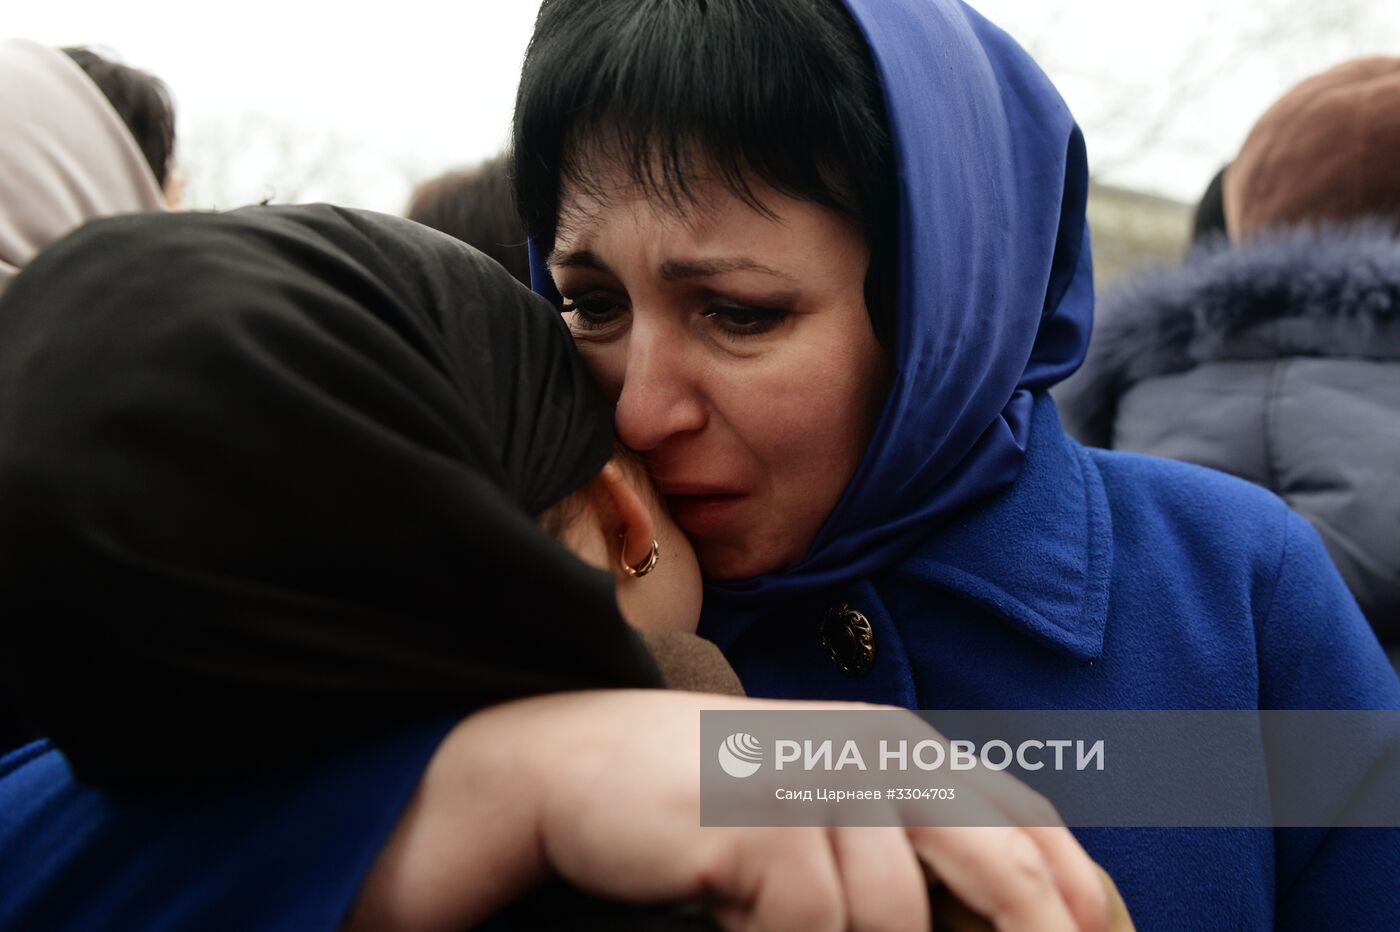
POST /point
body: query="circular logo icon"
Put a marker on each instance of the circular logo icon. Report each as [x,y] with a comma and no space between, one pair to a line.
[741,755]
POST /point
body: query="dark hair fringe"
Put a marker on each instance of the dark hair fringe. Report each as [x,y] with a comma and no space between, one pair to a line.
[782,92]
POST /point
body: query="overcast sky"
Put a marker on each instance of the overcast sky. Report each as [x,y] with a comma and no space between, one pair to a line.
[404,89]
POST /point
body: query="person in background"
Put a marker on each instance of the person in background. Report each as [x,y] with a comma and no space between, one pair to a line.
[80,138]
[1208,221]
[1275,355]
[475,205]
[143,102]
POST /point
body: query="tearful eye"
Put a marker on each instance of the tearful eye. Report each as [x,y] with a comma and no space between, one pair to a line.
[590,312]
[742,320]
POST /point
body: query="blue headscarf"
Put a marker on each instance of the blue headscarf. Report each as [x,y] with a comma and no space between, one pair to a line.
[995,286]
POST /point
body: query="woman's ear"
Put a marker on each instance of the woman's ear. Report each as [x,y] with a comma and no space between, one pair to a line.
[629,524]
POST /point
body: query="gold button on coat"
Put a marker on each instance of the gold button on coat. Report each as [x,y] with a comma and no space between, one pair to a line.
[849,639]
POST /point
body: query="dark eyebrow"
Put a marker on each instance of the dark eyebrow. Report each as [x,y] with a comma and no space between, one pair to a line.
[672,270]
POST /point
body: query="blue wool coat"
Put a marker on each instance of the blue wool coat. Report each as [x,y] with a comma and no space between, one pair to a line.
[1002,565]
[1104,580]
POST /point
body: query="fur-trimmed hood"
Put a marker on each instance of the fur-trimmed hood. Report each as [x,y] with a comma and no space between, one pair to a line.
[1331,292]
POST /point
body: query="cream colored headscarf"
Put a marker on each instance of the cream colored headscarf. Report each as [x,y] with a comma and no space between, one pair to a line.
[66,157]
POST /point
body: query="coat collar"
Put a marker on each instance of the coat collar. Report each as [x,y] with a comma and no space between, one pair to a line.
[1039,556]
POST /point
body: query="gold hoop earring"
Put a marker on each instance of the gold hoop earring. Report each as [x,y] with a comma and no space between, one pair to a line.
[646,566]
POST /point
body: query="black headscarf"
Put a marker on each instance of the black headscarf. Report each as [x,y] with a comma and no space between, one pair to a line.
[268,479]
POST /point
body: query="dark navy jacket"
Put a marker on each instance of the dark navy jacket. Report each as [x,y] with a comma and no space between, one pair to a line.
[1278,361]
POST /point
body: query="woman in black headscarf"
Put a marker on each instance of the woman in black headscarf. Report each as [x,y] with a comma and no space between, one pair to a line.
[297,463]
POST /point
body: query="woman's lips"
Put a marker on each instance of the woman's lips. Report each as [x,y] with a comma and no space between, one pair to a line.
[706,514]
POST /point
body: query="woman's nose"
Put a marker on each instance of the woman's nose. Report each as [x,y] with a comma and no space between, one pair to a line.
[659,397]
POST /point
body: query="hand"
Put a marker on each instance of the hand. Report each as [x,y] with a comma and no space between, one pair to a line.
[603,788]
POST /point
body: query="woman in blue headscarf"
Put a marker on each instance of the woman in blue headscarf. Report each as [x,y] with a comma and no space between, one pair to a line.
[827,259]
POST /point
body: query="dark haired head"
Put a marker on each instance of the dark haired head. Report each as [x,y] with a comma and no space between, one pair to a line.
[475,206]
[778,92]
[141,100]
[1208,222]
